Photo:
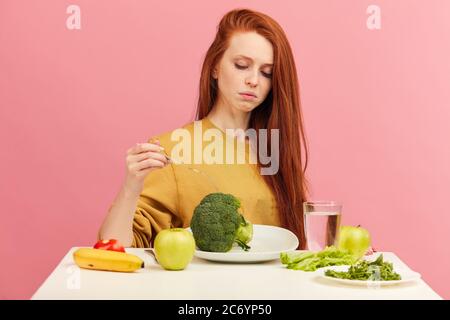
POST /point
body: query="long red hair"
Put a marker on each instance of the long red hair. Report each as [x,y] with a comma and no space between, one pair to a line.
[280,110]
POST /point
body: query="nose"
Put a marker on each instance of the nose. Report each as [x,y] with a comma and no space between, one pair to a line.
[252,80]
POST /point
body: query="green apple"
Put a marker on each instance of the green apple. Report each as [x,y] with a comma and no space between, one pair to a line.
[174,248]
[355,240]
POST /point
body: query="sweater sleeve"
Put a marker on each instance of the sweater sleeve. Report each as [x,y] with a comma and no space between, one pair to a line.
[157,207]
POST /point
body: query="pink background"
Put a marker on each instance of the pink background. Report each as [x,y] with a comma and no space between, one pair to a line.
[376,106]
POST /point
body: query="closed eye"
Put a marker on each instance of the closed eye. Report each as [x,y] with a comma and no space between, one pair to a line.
[265,74]
[240,67]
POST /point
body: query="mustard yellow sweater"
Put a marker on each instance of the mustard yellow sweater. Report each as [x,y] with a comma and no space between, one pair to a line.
[170,194]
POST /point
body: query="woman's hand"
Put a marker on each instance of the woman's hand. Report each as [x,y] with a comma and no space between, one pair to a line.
[142,159]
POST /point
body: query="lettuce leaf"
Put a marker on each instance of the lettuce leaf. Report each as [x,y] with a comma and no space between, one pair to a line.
[377,270]
[311,261]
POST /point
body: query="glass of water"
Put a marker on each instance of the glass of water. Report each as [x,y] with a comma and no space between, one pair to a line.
[322,220]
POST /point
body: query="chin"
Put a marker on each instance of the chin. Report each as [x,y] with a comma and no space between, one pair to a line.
[245,106]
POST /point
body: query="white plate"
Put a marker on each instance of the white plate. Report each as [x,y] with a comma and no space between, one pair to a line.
[266,245]
[406,274]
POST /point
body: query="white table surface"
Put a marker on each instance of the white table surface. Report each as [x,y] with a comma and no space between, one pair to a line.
[212,280]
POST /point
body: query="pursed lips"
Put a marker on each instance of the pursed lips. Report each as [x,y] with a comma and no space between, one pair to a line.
[248,94]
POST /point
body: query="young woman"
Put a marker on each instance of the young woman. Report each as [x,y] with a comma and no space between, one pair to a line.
[248,81]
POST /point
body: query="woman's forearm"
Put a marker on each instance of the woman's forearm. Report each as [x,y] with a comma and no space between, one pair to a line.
[118,223]
[141,159]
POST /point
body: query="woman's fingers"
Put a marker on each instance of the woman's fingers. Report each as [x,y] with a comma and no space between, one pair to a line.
[144,147]
[147,155]
[144,172]
[149,163]
[144,157]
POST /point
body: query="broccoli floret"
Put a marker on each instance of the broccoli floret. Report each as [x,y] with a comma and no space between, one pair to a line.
[216,224]
[244,233]
[227,199]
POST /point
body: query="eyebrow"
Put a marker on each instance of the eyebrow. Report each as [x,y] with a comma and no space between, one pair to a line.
[248,58]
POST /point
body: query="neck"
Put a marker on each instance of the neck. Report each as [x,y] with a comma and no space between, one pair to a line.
[229,118]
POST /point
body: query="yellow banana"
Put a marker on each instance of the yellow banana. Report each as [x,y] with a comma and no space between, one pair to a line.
[98,259]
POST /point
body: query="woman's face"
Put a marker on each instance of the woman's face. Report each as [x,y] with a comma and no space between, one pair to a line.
[244,73]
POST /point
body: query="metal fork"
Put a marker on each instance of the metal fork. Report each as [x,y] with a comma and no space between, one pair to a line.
[190,168]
